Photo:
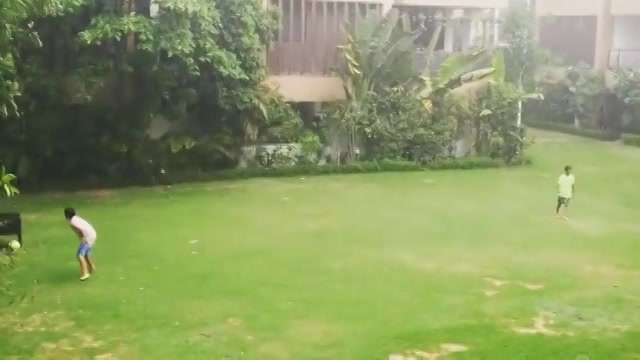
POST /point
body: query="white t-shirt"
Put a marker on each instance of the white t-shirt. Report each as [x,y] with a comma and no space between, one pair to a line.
[565,185]
[89,234]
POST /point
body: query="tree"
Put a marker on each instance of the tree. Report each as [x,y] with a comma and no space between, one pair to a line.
[107,71]
[521,52]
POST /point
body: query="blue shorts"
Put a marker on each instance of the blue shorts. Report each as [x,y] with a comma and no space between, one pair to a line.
[84,249]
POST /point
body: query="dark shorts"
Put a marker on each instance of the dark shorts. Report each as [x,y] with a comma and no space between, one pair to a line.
[84,250]
[562,201]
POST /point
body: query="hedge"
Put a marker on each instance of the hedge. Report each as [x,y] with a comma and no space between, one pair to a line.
[631,139]
[602,135]
[361,167]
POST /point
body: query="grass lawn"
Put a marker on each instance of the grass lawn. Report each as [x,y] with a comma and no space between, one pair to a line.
[344,267]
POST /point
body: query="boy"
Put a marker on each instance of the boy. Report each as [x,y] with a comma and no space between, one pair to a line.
[87,235]
[566,190]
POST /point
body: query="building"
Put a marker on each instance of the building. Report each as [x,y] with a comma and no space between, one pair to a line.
[302,59]
[602,33]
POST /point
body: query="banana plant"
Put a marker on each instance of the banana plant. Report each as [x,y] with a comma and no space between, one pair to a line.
[457,70]
[6,182]
[375,53]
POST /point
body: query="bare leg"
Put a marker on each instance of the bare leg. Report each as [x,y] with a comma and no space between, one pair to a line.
[90,266]
[560,209]
[84,273]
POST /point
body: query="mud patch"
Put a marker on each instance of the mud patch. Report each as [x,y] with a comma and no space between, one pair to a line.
[442,351]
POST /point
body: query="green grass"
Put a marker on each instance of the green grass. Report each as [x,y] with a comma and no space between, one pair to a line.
[343,267]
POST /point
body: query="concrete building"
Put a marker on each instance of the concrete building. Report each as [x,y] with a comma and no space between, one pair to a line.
[302,59]
[603,33]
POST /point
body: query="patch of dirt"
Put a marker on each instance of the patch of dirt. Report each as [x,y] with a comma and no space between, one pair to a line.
[63,348]
[275,350]
[107,356]
[232,328]
[496,282]
[308,332]
[41,322]
[68,346]
[532,287]
[491,293]
[541,326]
[442,351]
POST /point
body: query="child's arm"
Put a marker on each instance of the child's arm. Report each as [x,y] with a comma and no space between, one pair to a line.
[77,231]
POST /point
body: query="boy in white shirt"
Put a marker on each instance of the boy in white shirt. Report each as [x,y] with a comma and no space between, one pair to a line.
[87,235]
[566,190]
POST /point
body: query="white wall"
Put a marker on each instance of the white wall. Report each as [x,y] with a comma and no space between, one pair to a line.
[626,32]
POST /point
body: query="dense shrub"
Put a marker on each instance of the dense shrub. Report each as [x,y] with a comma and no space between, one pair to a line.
[349,168]
[402,127]
[496,129]
[627,92]
[631,139]
[360,167]
[570,129]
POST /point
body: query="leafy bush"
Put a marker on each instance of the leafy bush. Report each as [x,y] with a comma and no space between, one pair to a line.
[627,90]
[631,139]
[497,133]
[570,129]
[401,126]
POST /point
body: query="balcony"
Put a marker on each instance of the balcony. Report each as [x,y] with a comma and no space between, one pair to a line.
[624,58]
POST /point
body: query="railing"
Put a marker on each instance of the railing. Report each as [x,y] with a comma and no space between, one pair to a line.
[624,58]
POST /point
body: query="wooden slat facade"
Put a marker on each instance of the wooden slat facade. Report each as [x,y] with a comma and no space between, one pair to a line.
[309,33]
